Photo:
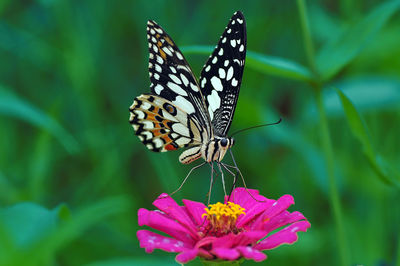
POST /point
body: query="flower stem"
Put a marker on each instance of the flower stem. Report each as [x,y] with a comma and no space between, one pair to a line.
[325,136]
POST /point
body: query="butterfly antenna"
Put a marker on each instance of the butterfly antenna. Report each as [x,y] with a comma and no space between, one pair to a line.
[187,176]
[264,125]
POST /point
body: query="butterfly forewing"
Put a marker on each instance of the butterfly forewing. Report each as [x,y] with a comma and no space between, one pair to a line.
[171,77]
[222,75]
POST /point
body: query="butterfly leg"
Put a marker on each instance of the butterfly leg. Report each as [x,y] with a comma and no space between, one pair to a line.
[187,176]
[223,179]
[241,175]
[225,166]
[211,183]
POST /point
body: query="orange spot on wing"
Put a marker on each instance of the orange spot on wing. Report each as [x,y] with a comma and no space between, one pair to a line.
[170,147]
[169,41]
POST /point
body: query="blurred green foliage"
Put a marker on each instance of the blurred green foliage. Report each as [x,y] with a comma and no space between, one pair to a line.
[73,175]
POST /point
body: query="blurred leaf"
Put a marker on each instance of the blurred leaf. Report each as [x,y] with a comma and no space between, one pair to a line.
[359,130]
[12,105]
[8,191]
[341,50]
[266,64]
[27,223]
[75,224]
[367,93]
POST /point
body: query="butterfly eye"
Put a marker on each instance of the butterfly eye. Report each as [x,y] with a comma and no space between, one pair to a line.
[224,142]
[170,109]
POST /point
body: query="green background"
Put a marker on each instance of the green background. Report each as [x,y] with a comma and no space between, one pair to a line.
[73,174]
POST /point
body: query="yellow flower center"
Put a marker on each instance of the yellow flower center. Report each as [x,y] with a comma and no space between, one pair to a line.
[223,217]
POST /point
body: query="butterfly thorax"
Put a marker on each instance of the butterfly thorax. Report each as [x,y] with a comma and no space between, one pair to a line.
[216,148]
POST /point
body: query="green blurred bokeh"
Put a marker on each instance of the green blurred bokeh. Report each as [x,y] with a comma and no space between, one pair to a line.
[69,70]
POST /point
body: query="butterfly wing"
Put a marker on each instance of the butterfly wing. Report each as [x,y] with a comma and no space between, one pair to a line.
[221,76]
[162,126]
[171,76]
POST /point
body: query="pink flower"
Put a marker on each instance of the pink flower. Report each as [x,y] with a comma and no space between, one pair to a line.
[240,228]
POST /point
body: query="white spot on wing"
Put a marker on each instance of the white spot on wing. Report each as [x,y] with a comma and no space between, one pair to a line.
[203,82]
[158,88]
[221,73]
[214,102]
[208,68]
[177,89]
[180,129]
[216,83]
[184,80]
[215,59]
[139,114]
[184,104]
[175,79]
[221,51]
[167,51]
[182,141]
[147,134]
[172,69]
[179,55]
[234,82]
[160,60]
[194,87]
[233,43]
[229,75]
[158,143]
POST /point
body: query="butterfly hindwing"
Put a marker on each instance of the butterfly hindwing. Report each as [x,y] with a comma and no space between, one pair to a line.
[171,77]
[161,125]
[222,75]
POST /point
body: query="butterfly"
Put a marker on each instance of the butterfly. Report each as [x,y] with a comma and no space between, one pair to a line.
[183,112]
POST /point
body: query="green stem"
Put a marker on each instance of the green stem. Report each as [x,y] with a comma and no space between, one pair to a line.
[308,44]
[325,137]
[333,191]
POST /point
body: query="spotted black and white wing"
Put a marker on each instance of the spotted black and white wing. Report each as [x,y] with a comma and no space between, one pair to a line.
[171,76]
[222,75]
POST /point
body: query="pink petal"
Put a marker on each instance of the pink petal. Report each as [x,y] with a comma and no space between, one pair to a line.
[187,255]
[150,241]
[251,253]
[233,240]
[282,219]
[253,212]
[226,253]
[166,204]
[226,241]
[287,235]
[249,238]
[196,209]
[161,222]
[242,197]
[275,209]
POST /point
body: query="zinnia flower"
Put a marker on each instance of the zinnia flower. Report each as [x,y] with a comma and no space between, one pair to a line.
[240,228]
